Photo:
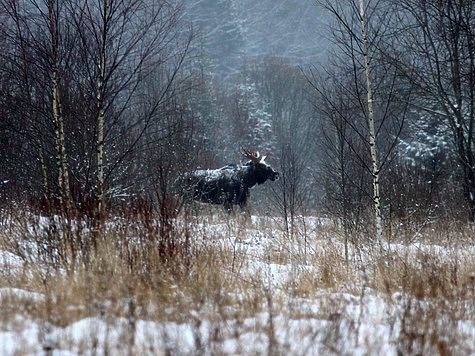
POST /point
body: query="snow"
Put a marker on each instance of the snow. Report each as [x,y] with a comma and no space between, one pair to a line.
[12,341]
[6,293]
[8,260]
[328,322]
[374,333]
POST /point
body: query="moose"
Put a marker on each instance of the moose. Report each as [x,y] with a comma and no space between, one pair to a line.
[228,185]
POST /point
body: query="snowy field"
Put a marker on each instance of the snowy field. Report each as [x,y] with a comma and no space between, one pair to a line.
[269,288]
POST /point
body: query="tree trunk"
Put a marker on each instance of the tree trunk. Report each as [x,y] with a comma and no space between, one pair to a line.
[372,132]
[61,157]
[100,119]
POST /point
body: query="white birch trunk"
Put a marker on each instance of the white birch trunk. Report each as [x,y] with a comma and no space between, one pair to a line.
[44,171]
[100,118]
[100,154]
[372,133]
[61,156]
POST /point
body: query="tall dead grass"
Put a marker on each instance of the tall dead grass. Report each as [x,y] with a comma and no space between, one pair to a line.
[228,276]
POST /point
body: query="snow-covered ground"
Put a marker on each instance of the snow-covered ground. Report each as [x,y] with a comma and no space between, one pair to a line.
[351,318]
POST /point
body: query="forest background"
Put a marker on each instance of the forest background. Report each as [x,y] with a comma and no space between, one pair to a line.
[107,102]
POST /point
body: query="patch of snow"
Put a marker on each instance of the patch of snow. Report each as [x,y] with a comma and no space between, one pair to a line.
[6,293]
[9,260]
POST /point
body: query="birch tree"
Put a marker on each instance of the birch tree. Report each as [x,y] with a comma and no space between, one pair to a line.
[358,32]
[41,45]
[375,168]
[122,43]
[83,65]
[61,155]
[104,25]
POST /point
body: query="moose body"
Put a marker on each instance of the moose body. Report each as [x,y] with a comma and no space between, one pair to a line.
[229,185]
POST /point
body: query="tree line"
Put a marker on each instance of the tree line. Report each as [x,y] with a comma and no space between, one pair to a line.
[418,55]
[107,101]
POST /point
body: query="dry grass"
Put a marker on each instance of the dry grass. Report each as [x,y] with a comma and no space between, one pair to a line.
[221,271]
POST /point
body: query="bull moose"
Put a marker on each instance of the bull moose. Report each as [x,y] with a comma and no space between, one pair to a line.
[228,185]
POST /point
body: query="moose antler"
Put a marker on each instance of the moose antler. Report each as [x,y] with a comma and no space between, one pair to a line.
[253,156]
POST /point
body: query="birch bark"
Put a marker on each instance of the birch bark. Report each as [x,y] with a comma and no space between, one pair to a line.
[101,115]
[371,126]
[61,156]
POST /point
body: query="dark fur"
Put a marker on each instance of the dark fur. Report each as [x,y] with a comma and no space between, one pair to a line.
[226,186]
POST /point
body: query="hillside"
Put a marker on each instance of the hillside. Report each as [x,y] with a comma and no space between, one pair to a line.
[234,32]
